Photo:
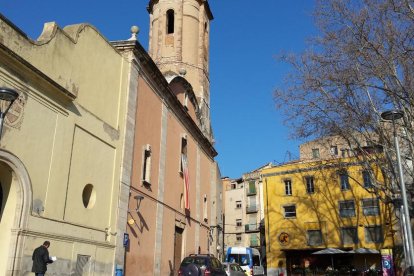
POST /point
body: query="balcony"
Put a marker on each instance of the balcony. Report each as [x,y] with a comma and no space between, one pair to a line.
[251,228]
[251,209]
[254,243]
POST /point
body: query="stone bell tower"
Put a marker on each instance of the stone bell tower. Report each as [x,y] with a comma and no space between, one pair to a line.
[179,45]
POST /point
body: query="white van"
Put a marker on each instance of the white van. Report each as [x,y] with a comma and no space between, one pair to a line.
[248,258]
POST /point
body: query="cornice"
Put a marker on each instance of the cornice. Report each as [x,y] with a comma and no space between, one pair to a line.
[162,86]
[37,72]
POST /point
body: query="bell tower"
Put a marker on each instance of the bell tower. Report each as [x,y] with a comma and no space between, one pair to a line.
[179,45]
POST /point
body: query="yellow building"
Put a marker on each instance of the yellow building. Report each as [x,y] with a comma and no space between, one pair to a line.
[63,171]
[313,205]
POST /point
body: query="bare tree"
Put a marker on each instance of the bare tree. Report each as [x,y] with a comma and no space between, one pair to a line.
[361,64]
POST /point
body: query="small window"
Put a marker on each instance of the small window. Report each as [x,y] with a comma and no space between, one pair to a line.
[146,165]
[373,234]
[238,222]
[186,100]
[370,207]
[367,179]
[183,163]
[233,186]
[334,150]
[238,204]
[290,211]
[314,237]
[205,208]
[344,181]
[88,196]
[170,21]
[238,237]
[349,235]
[310,186]
[347,208]
[288,187]
[315,153]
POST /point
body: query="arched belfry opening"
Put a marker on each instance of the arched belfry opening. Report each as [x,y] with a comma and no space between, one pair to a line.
[15,204]
[170,21]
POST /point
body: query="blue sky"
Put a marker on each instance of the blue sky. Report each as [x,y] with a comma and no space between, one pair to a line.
[245,38]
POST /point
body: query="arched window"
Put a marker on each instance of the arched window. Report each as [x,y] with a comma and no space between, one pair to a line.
[170,21]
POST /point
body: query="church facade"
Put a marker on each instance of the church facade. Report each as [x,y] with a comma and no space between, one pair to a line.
[108,152]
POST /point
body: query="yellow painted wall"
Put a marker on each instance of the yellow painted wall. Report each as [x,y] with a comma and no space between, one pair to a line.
[70,134]
[317,211]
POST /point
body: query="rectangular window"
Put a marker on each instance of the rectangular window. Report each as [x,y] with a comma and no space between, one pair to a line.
[185,100]
[367,179]
[344,181]
[314,237]
[288,187]
[254,240]
[251,190]
[146,165]
[170,21]
[349,235]
[334,150]
[205,208]
[310,187]
[373,234]
[315,153]
[238,222]
[238,237]
[238,204]
[183,154]
[290,211]
[370,207]
[347,208]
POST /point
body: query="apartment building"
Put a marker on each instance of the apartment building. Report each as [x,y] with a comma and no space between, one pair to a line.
[313,205]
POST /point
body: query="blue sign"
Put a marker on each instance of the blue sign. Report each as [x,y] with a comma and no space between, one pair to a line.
[386,264]
[126,239]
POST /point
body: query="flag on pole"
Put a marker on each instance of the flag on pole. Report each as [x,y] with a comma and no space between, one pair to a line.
[186,177]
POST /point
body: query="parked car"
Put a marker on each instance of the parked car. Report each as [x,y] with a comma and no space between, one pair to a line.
[201,265]
[233,269]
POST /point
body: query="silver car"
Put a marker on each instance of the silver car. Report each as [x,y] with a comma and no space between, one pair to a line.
[233,269]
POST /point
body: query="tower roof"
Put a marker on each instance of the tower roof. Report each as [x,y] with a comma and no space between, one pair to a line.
[207,7]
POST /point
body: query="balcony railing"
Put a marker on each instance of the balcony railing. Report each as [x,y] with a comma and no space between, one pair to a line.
[251,228]
[251,209]
[254,243]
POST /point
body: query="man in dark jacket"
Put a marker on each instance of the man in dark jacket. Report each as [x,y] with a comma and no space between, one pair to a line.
[40,259]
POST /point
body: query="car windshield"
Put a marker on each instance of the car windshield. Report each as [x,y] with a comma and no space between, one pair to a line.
[241,259]
[194,260]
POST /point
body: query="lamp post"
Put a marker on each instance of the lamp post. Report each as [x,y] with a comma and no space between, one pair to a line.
[8,96]
[393,115]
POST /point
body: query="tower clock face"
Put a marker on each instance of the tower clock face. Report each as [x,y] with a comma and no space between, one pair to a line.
[284,238]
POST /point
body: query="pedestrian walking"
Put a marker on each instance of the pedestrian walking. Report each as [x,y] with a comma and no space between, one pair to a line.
[41,259]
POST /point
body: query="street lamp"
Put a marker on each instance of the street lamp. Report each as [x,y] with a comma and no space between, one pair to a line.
[393,115]
[8,96]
